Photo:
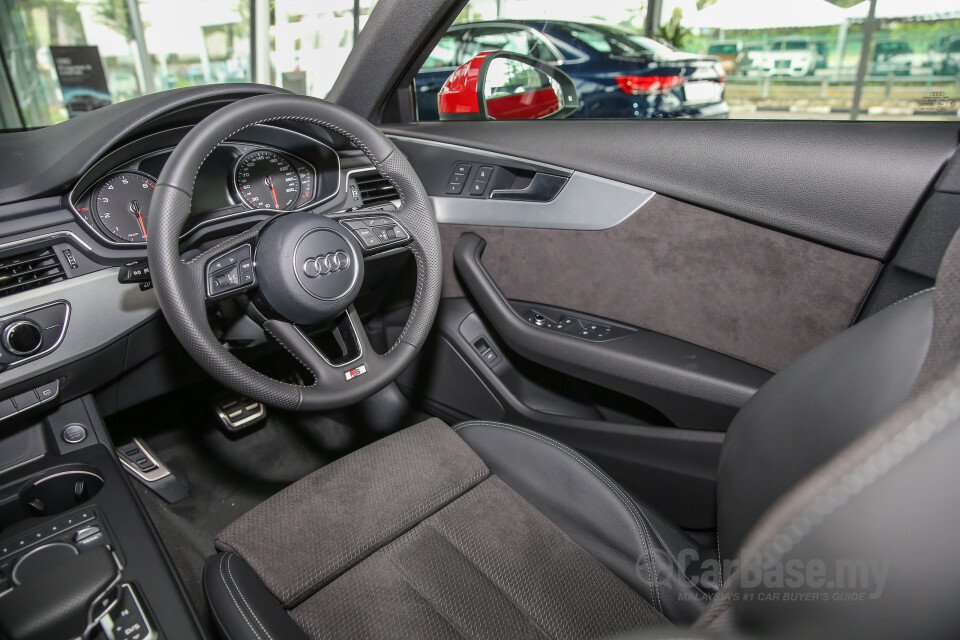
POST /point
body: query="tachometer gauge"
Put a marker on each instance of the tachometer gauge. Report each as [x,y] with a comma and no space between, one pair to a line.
[121,203]
[268,180]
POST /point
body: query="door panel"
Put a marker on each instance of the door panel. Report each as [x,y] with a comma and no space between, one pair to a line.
[748,292]
[849,186]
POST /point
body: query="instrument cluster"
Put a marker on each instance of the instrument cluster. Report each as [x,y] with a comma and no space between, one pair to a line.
[294,172]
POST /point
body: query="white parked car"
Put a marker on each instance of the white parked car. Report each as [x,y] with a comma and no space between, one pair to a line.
[793,57]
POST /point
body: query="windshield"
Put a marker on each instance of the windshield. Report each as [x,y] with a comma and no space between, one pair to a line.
[63,58]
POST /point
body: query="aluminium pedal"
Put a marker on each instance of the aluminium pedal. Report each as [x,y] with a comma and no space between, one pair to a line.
[238,414]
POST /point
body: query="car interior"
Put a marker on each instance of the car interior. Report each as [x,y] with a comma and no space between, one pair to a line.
[273,366]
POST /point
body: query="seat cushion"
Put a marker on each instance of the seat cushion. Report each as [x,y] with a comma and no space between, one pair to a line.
[313,531]
[413,536]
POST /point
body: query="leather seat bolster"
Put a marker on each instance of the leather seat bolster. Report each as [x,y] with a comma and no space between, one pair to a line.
[636,544]
[242,606]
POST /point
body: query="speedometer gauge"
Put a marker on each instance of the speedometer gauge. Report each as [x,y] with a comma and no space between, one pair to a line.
[121,203]
[268,180]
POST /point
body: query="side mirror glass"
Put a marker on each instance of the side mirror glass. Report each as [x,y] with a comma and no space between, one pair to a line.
[499,85]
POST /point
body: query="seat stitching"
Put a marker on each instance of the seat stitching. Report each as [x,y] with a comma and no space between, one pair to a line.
[364,552]
[676,561]
[489,579]
[235,603]
[641,526]
[719,558]
[912,295]
[244,600]
[900,446]
[456,627]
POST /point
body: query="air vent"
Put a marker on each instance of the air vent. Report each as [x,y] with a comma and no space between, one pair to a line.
[375,189]
[28,271]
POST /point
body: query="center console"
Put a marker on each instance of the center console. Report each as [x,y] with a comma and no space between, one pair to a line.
[79,558]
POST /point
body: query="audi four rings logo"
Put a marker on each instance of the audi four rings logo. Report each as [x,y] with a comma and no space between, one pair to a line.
[326,264]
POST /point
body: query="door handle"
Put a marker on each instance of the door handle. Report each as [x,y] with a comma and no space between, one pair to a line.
[543,188]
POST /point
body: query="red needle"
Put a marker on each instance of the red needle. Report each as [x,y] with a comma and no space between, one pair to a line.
[274,192]
[142,226]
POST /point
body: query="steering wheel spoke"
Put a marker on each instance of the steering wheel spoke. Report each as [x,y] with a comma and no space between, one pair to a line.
[330,371]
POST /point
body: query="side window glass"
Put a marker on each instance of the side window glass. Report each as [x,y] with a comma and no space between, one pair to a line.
[444,54]
[732,59]
[497,38]
[540,49]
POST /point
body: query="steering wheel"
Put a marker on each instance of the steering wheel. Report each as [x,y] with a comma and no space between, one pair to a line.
[300,268]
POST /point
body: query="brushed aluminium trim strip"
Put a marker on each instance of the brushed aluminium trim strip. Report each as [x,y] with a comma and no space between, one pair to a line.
[55,235]
[101,310]
[586,203]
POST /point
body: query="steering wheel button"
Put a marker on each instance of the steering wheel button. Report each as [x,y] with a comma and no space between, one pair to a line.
[246,265]
[367,237]
[226,280]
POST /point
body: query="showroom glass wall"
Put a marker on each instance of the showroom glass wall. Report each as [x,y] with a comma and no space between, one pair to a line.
[152,45]
[789,59]
[803,59]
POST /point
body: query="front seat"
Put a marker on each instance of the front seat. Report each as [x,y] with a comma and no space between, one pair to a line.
[491,530]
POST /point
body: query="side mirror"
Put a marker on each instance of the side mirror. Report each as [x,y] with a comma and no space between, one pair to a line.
[499,85]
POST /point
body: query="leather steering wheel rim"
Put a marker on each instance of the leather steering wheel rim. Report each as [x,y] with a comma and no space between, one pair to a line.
[181,286]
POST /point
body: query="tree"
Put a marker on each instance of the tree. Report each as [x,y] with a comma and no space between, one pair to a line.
[672,31]
[116,15]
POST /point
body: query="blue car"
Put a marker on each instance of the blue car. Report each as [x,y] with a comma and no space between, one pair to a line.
[618,74]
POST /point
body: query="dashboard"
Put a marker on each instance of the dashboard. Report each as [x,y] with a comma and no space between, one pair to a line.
[77,310]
